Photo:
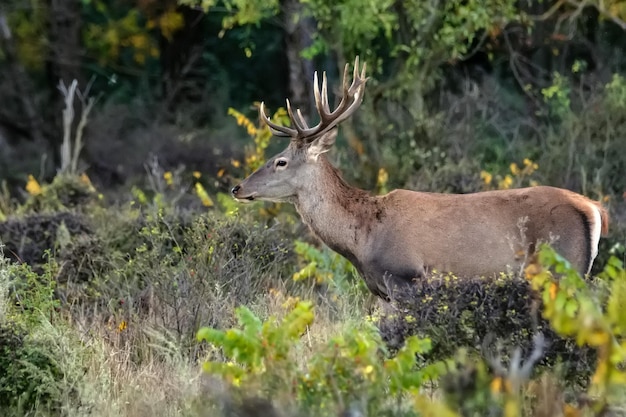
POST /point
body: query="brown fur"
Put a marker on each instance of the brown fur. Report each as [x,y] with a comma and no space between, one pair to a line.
[398,237]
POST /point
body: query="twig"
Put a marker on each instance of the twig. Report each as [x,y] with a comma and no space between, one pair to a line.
[68,118]
[550,12]
[579,6]
[517,373]
[69,154]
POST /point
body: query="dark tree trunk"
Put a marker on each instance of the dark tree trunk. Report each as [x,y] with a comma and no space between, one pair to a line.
[179,57]
[30,120]
[297,37]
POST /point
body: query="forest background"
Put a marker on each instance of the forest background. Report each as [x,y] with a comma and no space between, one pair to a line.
[124,123]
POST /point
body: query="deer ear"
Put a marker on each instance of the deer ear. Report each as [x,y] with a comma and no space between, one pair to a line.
[322,144]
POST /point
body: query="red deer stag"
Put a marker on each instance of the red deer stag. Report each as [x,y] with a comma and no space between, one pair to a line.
[396,238]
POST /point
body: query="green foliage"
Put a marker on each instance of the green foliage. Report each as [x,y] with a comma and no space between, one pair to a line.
[323,266]
[588,150]
[261,135]
[29,28]
[116,33]
[258,348]
[239,12]
[32,295]
[339,26]
[574,311]
[350,368]
[29,374]
[616,93]
[558,96]
[64,192]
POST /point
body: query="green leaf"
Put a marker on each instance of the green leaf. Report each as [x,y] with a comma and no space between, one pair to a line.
[571,307]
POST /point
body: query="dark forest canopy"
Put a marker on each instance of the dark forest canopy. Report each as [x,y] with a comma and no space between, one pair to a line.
[177,66]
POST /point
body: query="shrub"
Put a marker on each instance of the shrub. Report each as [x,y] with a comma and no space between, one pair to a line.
[29,373]
[456,312]
[351,373]
[180,275]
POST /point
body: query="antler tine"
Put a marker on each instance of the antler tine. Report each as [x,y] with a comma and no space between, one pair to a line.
[351,98]
[321,97]
[316,91]
[329,119]
[277,130]
[302,120]
[325,94]
[296,118]
[342,112]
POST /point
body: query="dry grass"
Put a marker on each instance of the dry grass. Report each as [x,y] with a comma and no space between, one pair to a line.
[141,370]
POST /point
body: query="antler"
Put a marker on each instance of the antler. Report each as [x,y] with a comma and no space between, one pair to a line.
[350,101]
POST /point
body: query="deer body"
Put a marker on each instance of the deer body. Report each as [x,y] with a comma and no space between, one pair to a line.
[399,237]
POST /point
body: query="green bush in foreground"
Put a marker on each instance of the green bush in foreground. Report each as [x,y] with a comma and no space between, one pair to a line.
[354,371]
[29,374]
[158,276]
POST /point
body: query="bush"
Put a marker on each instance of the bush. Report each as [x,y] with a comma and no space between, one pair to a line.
[352,373]
[479,314]
[29,374]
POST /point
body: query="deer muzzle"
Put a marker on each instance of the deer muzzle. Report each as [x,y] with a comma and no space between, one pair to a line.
[239,194]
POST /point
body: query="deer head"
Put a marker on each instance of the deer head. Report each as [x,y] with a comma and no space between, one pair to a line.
[285,174]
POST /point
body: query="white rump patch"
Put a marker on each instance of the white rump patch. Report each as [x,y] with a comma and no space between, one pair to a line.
[596,229]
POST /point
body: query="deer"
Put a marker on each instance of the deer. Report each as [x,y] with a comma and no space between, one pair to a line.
[396,239]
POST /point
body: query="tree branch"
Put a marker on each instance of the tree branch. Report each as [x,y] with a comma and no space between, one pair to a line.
[579,7]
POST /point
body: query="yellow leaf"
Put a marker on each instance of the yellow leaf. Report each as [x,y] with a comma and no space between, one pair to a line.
[170,22]
[505,183]
[428,408]
[383,177]
[570,411]
[85,180]
[598,338]
[32,186]
[204,196]
[486,177]
[511,408]
[496,385]
[553,290]
[168,177]
[600,374]
[532,270]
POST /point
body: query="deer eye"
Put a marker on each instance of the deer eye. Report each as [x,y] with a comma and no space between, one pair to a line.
[281,163]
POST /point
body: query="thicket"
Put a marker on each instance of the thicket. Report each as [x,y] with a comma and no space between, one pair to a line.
[114,294]
[291,329]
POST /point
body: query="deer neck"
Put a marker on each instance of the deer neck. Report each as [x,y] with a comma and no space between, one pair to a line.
[342,216]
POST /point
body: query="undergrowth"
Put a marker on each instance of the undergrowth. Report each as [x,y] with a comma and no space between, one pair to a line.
[176,301]
[103,313]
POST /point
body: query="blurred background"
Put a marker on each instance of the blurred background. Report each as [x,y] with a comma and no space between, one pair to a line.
[457,88]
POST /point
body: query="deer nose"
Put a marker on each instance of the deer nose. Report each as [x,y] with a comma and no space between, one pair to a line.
[235,189]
